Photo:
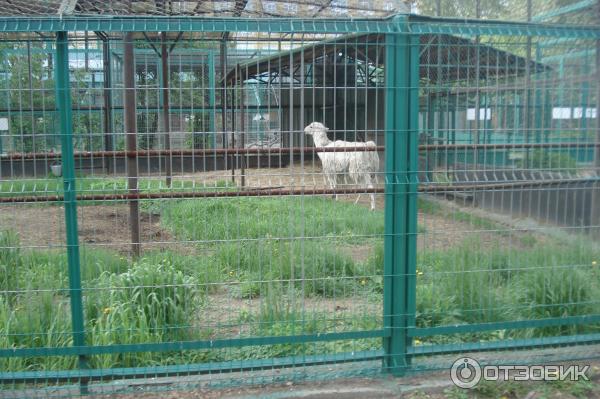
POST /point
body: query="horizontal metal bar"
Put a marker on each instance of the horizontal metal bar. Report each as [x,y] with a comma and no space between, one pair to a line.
[504,185]
[286,150]
[478,27]
[442,349]
[571,8]
[262,192]
[186,369]
[590,54]
[188,345]
[190,152]
[504,146]
[505,325]
[274,192]
[554,42]
[194,24]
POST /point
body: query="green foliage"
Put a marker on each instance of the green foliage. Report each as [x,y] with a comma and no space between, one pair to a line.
[557,292]
[199,125]
[465,8]
[150,298]
[309,266]
[473,284]
[94,185]
[548,160]
[11,261]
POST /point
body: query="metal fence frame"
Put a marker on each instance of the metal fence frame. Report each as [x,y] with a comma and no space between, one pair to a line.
[401,188]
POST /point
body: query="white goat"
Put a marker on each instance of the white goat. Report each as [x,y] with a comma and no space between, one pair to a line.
[361,166]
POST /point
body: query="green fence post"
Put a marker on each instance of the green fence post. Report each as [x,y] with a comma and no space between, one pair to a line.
[412,149]
[401,140]
[212,98]
[63,96]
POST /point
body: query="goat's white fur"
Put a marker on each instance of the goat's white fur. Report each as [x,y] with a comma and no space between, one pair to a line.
[360,166]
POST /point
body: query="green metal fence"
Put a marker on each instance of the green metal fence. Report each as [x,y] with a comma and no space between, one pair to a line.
[173,259]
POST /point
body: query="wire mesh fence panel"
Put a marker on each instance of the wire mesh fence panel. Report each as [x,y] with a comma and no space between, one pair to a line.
[508,245]
[205,224]
[238,197]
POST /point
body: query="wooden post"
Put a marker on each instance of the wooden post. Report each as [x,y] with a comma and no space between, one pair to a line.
[129,105]
[107,94]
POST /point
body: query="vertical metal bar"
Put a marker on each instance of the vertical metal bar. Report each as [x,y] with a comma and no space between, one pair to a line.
[164,57]
[212,98]
[234,156]
[477,83]
[527,111]
[537,101]
[595,213]
[223,60]
[31,106]
[401,68]
[108,141]
[412,147]
[242,129]
[63,95]
[130,116]
[391,343]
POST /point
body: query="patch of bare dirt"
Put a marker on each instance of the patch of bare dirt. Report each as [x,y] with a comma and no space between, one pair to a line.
[100,226]
[358,253]
[225,311]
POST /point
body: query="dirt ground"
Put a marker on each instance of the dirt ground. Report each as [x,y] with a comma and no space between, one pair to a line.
[106,226]
[100,226]
[425,385]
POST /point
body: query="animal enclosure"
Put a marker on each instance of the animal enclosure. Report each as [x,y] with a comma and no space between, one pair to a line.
[166,214]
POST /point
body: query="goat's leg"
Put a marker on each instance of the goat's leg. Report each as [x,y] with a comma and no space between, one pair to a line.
[331,181]
[344,185]
[358,183]
[370,186]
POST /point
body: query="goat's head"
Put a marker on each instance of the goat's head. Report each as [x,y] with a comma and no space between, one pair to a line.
[315,127]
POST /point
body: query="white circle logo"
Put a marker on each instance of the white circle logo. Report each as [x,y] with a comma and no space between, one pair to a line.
[465,372]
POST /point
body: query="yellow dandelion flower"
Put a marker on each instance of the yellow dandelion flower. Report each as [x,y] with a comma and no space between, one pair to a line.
[417,342]
[106,310]
[363,281]
[594,263]
[419,273]
[231,273]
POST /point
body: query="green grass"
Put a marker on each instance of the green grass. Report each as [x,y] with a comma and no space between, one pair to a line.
[433,208]
[101,185]
[253,218]
[250,249]
[310,266]
[466,285]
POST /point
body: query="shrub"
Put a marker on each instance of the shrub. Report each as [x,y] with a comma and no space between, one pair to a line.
[148,303]
[557,292]
[312,266]
[11,261]
[541,159]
